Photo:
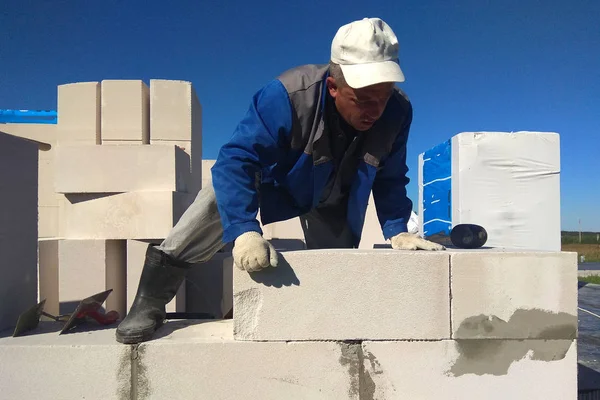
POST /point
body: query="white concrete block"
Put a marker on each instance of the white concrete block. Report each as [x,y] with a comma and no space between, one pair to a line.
[49,222]
[345,295]
[176,117]
[226,370]
[125,111]
[47,196]
[206,171]
[45,133]
[175,111]
[136,255]
[79,113]
[471,369]
[289,229]
[48,263]
[87,267]
[112,169]
[193,149]
[132,215]
[372,233]
[18,227]
[517,295]
[44,365]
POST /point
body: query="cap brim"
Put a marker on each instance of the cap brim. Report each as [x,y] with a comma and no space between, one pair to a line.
[361,75]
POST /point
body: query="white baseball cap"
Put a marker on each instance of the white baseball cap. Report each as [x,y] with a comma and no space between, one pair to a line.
[367,52]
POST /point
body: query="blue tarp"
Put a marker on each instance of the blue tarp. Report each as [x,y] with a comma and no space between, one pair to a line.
[437,187]
[28,117]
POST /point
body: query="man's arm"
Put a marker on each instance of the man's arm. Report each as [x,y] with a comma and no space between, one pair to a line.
[256,143]
[389,188]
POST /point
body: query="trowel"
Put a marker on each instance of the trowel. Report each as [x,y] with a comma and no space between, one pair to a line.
[90,307]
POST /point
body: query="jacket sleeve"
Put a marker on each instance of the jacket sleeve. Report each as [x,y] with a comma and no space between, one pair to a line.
[257,142]
[389,188]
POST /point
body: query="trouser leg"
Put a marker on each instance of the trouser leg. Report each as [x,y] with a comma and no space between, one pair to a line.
[198,234]
[322,231]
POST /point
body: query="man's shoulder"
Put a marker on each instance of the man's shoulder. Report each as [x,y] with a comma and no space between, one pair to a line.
[303,77]
[400,96]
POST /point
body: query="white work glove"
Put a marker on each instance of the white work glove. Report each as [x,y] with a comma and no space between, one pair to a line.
[411,241]
[251,252]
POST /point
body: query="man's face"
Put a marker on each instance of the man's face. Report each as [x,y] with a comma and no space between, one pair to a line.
[360,108]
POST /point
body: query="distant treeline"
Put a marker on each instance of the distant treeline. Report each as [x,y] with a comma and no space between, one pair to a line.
[573,237]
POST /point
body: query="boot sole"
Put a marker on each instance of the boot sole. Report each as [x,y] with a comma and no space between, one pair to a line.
[137,337]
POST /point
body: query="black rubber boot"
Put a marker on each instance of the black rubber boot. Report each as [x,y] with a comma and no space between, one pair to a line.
[161,277]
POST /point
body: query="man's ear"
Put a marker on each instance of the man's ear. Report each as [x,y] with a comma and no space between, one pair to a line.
[332,87]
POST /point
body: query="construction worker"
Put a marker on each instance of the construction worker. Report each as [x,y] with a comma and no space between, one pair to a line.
[314,143]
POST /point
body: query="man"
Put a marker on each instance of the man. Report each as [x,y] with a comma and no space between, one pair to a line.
[314,144]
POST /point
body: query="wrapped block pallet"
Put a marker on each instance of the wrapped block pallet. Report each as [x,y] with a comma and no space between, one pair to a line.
[509,183]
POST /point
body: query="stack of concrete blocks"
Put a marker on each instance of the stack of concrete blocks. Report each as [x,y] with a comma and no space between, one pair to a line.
[383,324]
[18,227]
[341,324]
[127,164]
[507,182]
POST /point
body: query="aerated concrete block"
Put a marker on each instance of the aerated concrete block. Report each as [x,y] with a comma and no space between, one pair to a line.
[79,113]
[48,263]
[44,365]
[49,221]
[47,196]
[132,215]
[175,111]
[471,369]
[136,256]
[345,295]
[87,267]
[176,118]
[517,295]
[112,169]
[18,227]
[228,370]
[125,111]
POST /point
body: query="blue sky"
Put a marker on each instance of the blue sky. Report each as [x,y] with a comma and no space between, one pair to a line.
[504,65]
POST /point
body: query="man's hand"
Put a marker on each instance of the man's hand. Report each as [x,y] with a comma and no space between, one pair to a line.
[251,252]
[410,241]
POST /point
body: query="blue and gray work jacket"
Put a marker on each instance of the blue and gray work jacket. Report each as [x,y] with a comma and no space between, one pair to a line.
[279,159]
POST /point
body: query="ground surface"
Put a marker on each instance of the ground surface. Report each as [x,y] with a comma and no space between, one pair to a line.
[589,337]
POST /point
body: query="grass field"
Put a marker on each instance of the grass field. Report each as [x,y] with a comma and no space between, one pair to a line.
[590,251]
[590,279]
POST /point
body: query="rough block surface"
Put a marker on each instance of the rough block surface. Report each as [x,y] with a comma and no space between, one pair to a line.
[49,221]
[175,111]
[127,168]
[79,113]
[125,111]
[345,295]
[132,215]
[44,365]
[226,370]
[471,369]
[518,295]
